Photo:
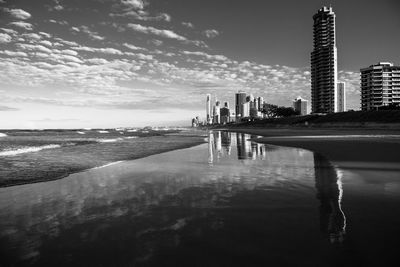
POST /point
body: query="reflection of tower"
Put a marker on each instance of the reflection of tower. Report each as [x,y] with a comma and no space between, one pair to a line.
[226,141]
[210,148]
[208,109]
[217,141]
[243,146]
[329,192]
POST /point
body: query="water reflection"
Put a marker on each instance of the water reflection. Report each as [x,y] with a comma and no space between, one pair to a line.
[328,182]
[246,149]
[230,198]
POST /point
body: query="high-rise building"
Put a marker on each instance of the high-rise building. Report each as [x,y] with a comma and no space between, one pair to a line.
[300,105]
[240,99]
[324,63]
[216,112]
[380,86]
[260,103]
[208,109]
[341,97]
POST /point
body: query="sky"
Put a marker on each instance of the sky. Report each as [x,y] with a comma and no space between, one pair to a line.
[120,63]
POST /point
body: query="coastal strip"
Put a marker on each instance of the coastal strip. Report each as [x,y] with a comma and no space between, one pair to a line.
[347,148]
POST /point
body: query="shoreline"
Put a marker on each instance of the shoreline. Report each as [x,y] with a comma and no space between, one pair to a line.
[376,148]
[185,141]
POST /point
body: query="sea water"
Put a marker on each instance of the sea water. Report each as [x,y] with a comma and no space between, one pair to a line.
[230,202]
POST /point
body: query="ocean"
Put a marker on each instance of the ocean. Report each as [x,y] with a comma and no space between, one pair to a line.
[39,155]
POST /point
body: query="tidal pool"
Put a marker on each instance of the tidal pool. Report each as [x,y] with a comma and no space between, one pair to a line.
[230,202]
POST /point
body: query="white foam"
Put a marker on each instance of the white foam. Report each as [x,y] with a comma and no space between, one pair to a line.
[106,165]
[26,150]
[132,131]
[79,132]
[3,135]
[131,137]
[102,131]
[109,140]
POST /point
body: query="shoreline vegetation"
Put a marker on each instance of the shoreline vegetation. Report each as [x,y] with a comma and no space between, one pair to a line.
[350,139]
[54,164]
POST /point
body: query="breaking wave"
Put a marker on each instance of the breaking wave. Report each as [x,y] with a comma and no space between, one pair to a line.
[26,150]
[3,135]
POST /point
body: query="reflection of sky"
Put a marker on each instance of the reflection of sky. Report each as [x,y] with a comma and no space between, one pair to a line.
[205,177]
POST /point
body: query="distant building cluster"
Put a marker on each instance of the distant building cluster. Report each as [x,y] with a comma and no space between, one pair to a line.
[380,83]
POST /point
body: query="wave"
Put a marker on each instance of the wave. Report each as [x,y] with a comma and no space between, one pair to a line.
[26,150]
[131,137]
[79,132]
[109,140]
[3,135]
[103,131]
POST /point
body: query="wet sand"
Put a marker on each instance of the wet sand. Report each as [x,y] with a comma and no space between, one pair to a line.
[347,148]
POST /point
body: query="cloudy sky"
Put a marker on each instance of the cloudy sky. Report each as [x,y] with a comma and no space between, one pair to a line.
[110,63]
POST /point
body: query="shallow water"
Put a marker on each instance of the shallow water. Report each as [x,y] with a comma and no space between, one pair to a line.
[230,202]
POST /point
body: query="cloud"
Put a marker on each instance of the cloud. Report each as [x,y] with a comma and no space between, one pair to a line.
[151,30]
[61,22]
[85,29]
[6,108]
[18,13]
[133,47]
[211,33]
[188,25]
[108,50]
[14,53]
[143,15]
[5,38]
[37,48]
[133,4]
[203,54]
[22,24]
[31,36]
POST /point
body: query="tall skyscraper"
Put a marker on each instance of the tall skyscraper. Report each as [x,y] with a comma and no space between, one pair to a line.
[341,97]
[324,63]
[240,99]
[300,105]
[380,86]
[208,109]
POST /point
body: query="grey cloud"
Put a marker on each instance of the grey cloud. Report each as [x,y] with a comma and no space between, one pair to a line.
[211,33]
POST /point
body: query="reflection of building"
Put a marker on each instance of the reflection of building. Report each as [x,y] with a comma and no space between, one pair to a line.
[220,144]
[226,141]
[300,105]
[380,86]
[329,192]
[341,97]
[324,63]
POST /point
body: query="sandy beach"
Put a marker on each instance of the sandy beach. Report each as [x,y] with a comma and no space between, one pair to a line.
[347,147]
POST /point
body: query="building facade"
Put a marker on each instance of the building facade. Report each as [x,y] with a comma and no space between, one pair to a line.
[240,99]
[324,63]
[300,105]
[208,109]
[341,97]
[380,86]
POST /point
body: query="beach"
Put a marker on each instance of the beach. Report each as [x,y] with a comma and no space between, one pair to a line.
[346,147]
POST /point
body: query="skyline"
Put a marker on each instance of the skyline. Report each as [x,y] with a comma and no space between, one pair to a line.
[68,64]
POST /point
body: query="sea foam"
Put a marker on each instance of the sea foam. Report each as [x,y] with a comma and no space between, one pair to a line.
[3,135]
[26,150]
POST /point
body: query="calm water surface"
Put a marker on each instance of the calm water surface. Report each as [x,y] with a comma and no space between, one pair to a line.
[231,202]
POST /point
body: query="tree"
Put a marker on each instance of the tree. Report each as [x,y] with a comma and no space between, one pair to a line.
[269,110]
[286,112]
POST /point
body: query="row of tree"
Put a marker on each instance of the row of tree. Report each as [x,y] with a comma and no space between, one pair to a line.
[274,111]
